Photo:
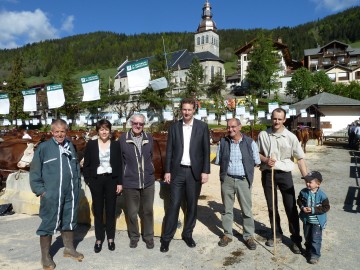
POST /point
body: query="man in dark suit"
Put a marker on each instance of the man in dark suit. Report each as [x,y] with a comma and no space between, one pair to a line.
[187,167]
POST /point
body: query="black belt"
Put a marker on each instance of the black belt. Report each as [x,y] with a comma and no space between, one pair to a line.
[241,177]
[104,174]
[275,171]
[185,166]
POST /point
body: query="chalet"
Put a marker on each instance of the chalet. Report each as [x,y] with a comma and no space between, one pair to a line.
[330,112]
[286,64]
[338,60]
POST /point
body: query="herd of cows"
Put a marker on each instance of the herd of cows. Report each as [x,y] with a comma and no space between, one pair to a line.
[16,153]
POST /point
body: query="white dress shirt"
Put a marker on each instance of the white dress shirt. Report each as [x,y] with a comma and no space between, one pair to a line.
[187,129]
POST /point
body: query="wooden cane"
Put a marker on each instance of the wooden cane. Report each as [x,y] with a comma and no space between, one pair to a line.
[273,206]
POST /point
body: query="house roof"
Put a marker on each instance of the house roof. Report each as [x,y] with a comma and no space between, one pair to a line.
[319,50]
[181,59]
[326,99]
[278,44]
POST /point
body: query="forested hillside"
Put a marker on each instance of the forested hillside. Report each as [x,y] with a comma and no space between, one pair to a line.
[102,50]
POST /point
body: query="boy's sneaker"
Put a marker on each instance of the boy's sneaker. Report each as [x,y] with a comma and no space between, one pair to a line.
[250,243]
[313,260]
[224,241]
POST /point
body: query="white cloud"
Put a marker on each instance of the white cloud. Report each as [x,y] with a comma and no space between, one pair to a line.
[335,5]
[68,24]
[19,28]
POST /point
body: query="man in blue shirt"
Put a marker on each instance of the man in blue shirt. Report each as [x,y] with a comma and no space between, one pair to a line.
[237,156]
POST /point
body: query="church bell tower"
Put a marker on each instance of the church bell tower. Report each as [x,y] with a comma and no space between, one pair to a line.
[206,38]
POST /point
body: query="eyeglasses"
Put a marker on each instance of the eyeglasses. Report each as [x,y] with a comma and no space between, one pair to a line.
[138,123]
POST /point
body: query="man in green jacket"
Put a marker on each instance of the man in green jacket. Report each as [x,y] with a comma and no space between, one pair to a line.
[55,177]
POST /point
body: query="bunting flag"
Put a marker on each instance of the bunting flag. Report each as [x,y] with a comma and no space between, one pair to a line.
[55,96]
[90,85]
[138,75]
[4,104]
[29,100]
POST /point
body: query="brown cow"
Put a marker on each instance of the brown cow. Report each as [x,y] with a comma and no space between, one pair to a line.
[303,137]
[315,133]
[11,152]
[217,134]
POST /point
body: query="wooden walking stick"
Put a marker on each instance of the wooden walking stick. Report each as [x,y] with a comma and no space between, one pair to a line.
[273,205]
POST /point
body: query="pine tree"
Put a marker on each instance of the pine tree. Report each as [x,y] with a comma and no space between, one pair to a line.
[262,72]
[16,84]
[195,77]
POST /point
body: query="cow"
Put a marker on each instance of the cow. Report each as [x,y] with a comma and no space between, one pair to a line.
[11,152]
[317,134]
[303,136]
[217,134]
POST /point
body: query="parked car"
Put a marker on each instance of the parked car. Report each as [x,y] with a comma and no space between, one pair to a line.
[241,91]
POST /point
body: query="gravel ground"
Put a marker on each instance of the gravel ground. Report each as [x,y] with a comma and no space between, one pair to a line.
[19,246]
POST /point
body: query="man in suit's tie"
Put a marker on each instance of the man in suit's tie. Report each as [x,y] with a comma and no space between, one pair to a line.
[187,167]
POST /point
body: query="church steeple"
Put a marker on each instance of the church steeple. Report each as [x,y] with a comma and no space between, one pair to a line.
[207,22]
[206,38]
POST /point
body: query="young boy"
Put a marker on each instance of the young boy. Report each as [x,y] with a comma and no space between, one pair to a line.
[313,204]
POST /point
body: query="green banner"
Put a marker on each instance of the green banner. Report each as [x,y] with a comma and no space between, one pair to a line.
[29,92]
[137,65]
[90,78]
[54,87]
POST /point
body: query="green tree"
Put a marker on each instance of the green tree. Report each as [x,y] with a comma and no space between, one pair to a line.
[157,100]
[322,83]
[71,87]
[262,72]
[301,84]
[213,92]
[16,84]
[195,78]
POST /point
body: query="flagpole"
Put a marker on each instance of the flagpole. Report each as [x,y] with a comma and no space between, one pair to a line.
[167,70]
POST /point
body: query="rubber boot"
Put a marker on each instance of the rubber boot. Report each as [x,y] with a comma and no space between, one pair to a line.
[69,251]
[46,260]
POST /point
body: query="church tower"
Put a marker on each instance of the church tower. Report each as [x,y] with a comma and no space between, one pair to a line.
[206,38]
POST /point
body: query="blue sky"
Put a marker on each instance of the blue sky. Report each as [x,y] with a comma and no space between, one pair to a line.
[28,21]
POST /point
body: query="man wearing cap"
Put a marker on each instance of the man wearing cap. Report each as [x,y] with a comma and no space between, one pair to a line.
[278,148]
[313,204]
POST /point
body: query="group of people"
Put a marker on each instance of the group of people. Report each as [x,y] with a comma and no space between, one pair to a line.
[274,153]
[125,166]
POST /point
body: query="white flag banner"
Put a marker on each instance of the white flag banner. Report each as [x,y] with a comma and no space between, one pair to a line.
[159,84]
[272,106]
[4,104]
[91,86]
[6,122]
[29,100]
[138,75]
[55,96]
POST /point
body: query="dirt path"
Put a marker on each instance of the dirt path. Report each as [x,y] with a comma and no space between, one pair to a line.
[19,247]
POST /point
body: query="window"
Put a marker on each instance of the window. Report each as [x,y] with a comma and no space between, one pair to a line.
[198,40]
[212,72]
[207,39]
[245,57]
[343,76]
[220,71]
[202,40]
[357,75]
[332,76]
